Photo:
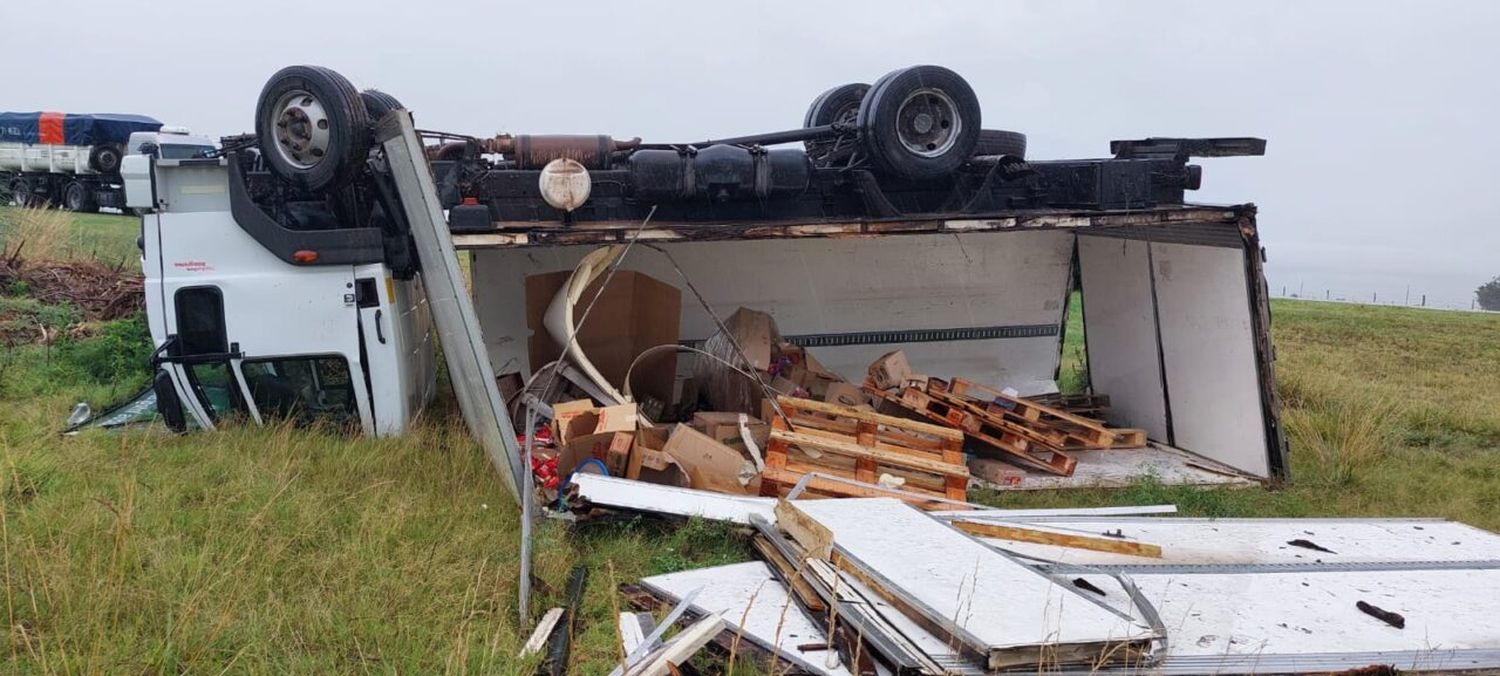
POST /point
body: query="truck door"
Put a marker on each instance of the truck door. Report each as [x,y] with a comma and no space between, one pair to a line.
[398,346]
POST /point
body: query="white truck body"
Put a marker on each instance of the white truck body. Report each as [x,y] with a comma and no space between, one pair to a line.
[1170,308]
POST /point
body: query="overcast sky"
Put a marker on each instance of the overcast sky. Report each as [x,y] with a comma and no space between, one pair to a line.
[1383,119]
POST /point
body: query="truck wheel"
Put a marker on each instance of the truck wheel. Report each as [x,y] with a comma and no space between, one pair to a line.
[920,122]
[78,196]
[999,142]
[105,159]
[20,193]
[73,196]
[312,127]
[839,105]
[378,103]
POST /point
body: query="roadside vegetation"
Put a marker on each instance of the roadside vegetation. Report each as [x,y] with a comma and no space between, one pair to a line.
[277,550]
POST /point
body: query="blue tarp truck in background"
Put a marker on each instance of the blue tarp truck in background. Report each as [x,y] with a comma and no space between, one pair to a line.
[66,159]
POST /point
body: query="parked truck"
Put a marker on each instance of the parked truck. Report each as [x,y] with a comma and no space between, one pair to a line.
[308,268]
[73,161]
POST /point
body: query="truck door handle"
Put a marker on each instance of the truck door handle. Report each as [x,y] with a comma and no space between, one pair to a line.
[379,333]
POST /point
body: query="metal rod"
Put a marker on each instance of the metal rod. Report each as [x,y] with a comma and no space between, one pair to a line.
[778,137]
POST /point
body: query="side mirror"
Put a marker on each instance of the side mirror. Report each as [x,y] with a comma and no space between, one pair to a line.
[167,402]
[150,149]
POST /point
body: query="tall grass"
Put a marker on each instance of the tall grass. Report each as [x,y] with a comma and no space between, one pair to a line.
[1344,436]
[36,233]
[50,234]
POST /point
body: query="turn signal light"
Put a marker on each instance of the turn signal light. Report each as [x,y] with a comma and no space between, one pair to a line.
[305,256]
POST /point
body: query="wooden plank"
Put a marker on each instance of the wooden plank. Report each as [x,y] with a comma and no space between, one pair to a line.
[1053,537]
[923,463]
[829,487]
[800,468]
[870,416]
[788,572]
[814,539]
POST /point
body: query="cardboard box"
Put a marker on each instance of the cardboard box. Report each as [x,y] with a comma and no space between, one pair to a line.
[845,394]
[710,465]
[756,334]
[563,414]
[634,313]
[724,427]
[916,380]
[605,433]
[611,448]
[889,370]
[650,463]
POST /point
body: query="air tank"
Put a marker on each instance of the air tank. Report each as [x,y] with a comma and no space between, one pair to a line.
[719,172]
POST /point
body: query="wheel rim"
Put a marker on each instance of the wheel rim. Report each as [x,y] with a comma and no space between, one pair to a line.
[75,197]
[21,195]
[302,129]
[928,123]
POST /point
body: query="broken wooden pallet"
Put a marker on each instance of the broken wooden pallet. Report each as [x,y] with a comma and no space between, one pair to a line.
[1088,432]
[862,445]
[990,429]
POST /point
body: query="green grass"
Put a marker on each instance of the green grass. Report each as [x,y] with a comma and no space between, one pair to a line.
[274,550]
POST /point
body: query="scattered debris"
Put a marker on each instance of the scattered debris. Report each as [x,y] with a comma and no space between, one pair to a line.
[1087,586]
[901,574]
[1386,616]
[559,646]
[1309,544]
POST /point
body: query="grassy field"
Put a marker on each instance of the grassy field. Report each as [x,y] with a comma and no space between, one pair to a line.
[273,550]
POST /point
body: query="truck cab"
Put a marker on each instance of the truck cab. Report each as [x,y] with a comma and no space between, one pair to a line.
[241,333]
[169,143]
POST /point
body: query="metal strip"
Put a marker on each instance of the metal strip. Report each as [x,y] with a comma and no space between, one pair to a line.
[1251,568]
[914,335]
[1226,235]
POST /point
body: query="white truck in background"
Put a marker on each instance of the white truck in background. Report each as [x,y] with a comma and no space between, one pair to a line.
[77,161]
[304,271]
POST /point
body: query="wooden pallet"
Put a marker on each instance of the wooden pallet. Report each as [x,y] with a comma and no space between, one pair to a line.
[874,443]
[1016,441]
[1091,433]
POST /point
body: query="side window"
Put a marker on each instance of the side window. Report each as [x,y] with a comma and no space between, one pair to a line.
[216,388]
[301,388]
[200,321]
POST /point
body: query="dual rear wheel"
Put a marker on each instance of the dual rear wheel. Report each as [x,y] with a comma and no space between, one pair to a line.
[918,123]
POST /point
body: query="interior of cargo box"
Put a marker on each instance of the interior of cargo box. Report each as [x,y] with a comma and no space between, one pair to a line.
[1170,320]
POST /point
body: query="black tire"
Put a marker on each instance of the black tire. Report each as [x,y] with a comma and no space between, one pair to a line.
[21,194]
[105,158]
[927,139]
[75,196]
[317,141]
[835,106]
[999,142]
[378,103]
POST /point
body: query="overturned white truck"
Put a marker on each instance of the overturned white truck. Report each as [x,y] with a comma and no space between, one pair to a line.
[299,271]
